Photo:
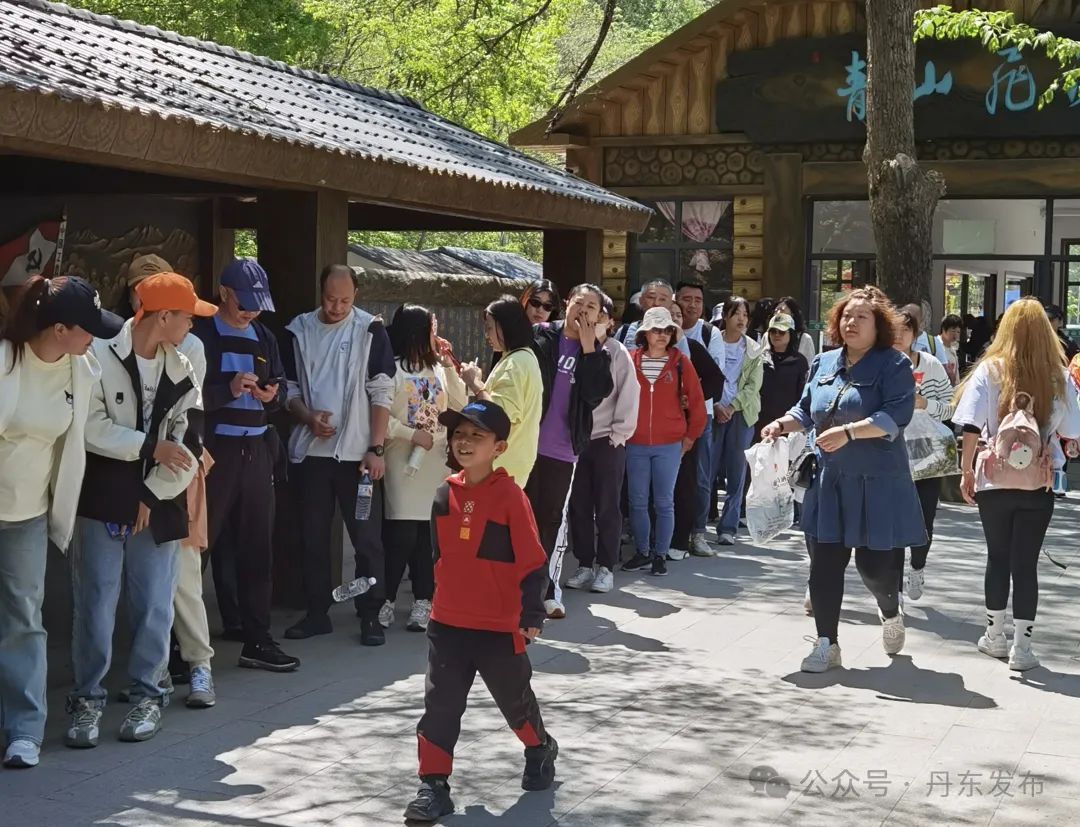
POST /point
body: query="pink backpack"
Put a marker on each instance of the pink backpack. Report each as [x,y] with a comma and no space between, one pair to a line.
[1018,457]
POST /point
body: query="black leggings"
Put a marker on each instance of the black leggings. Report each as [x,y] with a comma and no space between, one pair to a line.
[1015,524]
[408,542]
[929,493]
[881,572]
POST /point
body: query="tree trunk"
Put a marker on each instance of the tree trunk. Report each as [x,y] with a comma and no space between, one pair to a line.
[903,195]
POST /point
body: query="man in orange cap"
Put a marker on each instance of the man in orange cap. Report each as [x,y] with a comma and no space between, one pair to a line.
[141,458]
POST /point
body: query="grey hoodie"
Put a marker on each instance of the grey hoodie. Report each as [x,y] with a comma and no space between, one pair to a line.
[617,415]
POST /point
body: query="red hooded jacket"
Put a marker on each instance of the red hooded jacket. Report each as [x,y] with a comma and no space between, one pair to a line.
[662,419]
[491,572]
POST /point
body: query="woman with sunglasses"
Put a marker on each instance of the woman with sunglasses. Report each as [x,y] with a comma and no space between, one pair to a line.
[541,302]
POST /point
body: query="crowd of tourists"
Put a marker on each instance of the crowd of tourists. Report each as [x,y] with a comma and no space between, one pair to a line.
[143,448]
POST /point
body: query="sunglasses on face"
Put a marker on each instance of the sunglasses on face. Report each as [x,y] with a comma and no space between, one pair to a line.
[539,305]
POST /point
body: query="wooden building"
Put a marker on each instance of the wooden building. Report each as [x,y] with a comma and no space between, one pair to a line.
[744,130]
[153,142]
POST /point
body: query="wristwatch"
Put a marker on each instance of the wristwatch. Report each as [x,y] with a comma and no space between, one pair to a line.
[377,450]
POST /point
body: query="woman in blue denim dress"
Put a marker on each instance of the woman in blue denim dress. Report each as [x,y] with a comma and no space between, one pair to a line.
[857,401]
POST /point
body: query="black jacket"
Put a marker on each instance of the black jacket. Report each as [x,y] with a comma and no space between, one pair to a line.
[712,378]
[781,386]
[592,381]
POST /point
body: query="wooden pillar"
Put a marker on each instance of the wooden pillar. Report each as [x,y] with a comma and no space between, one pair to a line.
[572,257]
[299,233]
[784,253]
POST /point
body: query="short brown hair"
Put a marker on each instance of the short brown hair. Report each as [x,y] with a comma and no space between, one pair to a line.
[885,317]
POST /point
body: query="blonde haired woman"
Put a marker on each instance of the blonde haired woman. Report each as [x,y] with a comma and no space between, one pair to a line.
[1025,357]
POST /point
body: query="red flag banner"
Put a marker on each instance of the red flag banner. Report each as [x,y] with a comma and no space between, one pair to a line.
[32,253]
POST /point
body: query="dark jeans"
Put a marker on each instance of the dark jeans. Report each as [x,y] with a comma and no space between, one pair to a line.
[240,512]
[595,517]
[324,481]
[929,493]
[687,498]
[548,485]
[454,657]
[408,543]
[1015,524]
[881,572]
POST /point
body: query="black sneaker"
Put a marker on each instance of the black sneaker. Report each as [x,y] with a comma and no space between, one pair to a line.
[267,656]
[372,632]
[636,563]
[540,765]
[432,800]
[309,626]
[659,567]
[179,671]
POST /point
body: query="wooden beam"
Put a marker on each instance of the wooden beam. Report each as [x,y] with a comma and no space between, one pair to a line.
[719,191]
[714,139]
[784,248]
[30,175]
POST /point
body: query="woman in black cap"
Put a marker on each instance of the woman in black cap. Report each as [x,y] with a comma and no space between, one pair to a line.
[45,387]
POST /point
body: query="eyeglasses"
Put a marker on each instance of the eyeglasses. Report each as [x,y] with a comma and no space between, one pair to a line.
[539,305]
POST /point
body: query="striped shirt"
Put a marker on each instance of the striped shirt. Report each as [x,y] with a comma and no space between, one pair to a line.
[652,368]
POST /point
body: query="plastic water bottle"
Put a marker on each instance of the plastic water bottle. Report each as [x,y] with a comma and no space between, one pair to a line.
[347,591]
[363,497]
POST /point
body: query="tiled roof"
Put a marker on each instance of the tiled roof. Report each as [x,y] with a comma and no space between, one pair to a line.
[507,265]
[74,54]
[453,260]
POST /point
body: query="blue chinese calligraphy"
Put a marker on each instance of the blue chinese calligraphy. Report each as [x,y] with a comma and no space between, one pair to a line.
[1013,84]
[855,91]
[931,84]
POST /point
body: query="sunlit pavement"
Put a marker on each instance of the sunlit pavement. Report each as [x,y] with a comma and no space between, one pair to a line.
[676,701]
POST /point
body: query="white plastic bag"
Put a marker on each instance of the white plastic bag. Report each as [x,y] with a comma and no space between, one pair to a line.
[770,503]
[931,448]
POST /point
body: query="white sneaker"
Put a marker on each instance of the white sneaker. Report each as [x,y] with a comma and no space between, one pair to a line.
[555,610]
[22,753]
[807,604]
[580,579]
[677,554]
[604,581]
[995,647]
[913,587]
[1022,658]
[727,539]
[823,657]
[893,635]
[419,615]
[699,546]
[386,615]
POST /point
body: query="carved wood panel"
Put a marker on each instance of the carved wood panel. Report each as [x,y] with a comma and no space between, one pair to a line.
[666,166]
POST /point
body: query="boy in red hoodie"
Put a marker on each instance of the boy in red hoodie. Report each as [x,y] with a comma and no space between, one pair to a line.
[490,580]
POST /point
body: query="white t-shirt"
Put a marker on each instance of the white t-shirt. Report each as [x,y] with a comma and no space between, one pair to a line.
[149,377]
[978,407]
[328,381]
[28,446]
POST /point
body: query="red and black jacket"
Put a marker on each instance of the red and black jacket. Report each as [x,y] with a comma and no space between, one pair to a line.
[491,572]
[672,408]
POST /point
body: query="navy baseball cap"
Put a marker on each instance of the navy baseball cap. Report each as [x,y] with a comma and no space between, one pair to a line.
[247,278]
[76,302]
[486,415]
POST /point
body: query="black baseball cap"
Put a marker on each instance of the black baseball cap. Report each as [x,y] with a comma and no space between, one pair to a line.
[247,278]
[486,415]
[76,302]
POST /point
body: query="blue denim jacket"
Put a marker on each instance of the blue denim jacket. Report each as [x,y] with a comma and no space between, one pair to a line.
[863,494]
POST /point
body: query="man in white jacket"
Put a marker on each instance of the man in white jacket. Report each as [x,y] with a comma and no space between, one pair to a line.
[594,516]
[340,369]
[141,457]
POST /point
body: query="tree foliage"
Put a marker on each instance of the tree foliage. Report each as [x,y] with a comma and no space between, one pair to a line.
[998,30]
[489,65]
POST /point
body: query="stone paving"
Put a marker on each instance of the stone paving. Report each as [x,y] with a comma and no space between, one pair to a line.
[676,701]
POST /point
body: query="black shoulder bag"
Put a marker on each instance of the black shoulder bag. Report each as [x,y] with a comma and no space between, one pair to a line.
[804,468]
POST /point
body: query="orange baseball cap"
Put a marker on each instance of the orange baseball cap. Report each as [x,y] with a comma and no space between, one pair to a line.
[170,291]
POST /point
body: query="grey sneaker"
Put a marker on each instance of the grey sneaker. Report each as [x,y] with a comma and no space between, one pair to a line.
[84,728]
[727,539]
[142,721]
[386,615]
[419,616]
[201,695]
[603,582]
[699,546]
[580,579]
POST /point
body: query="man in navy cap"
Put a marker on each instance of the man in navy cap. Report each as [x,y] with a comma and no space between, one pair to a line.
[245,380]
